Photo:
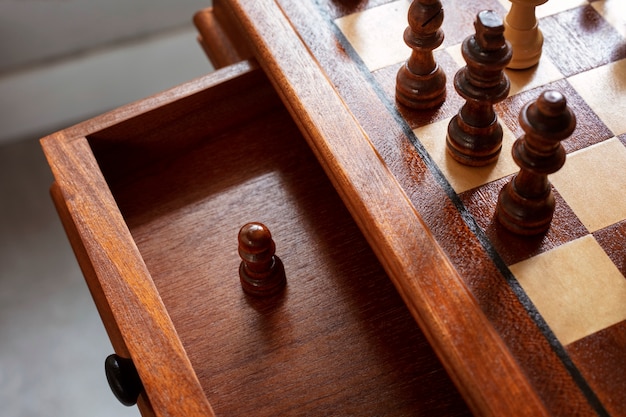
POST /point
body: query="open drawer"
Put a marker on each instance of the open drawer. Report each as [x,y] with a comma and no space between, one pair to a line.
[152,196]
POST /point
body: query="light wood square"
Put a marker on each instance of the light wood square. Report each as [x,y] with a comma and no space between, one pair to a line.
[378,45]
[461,177]
[455,52]
[576,287]
[545,72]
[604,89]
[593,183]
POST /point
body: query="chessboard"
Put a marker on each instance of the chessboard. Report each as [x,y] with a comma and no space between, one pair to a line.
[589,68]
[573,275]
[557,300]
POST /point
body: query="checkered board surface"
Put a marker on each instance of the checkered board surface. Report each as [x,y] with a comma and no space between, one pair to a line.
[574,275]
[577,279]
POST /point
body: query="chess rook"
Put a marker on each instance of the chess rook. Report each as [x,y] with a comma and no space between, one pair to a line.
[474,135]
[526,204]
[521,29]
[261,272]
[420,82]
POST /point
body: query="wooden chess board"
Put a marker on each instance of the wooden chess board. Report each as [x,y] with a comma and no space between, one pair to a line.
[570,282]
[403,296]
[573,276]
[590,186]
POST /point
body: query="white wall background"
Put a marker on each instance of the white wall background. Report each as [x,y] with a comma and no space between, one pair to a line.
[62,61]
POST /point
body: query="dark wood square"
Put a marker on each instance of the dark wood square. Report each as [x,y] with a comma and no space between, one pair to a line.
[481,203]
[580,39]
[613,241]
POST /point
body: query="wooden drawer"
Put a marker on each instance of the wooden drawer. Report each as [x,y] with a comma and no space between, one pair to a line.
[152,196]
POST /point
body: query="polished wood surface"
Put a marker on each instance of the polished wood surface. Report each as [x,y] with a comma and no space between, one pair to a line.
[389,221]
[546,365]
[261,272]
[153,197]
[526,204]
[382,314]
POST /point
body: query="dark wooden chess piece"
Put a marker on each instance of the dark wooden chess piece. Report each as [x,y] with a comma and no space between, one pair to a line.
[474,135]
[261,272]
[420,82]
[526,204]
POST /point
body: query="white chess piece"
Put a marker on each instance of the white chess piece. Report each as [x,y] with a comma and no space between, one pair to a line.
[521,29]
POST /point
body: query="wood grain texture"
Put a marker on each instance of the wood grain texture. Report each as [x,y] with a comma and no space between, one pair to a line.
[177,174]
[589,128]
[125,281]
[337,341]
[542,366]
[388,220]
[220,41]
[531,348]
[511,247]
[596,41]
[600,358]
[339,8]
[95,288]
[612,239]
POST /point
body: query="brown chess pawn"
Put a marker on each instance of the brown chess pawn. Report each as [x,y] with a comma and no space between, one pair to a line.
[420,82]
[474,135]
[526,204]
[261,272]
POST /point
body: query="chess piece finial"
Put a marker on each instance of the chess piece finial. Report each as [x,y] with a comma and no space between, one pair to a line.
[474,135]
[420,82]
[261,272]
[526,204]
[521,29]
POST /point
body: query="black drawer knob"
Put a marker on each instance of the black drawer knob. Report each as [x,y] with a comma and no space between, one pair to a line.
[123,379]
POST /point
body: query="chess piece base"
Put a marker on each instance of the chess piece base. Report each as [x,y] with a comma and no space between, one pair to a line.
[524,216]
[264,285]
[420,92]
[473,146]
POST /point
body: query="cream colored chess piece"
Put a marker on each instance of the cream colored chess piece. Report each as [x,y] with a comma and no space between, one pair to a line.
[521,29]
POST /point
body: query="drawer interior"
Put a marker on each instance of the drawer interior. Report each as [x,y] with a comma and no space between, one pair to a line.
[338,340]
